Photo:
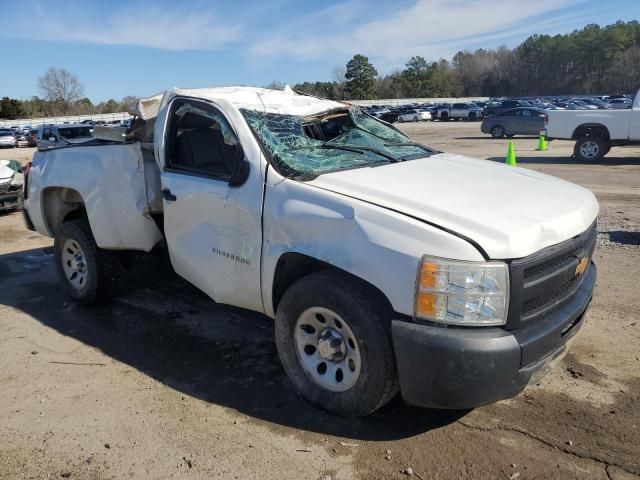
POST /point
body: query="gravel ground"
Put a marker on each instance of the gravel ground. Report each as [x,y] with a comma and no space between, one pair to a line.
[163,383]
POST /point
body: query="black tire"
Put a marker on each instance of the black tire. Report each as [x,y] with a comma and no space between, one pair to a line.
[415,119]
[444,116]
[100,268]
[590,149]
[472,117]
[400,120]
[367,315]
[497,131]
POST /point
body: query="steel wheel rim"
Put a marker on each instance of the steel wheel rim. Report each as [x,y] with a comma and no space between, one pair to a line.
[497,131]
[327,349]
[589,149]
[74,264]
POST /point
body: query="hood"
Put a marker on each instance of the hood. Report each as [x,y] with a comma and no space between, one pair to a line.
[510,212]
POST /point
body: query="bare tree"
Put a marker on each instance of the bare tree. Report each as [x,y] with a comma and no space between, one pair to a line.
[276,85]
[61,87]
[339,73]
[129,102]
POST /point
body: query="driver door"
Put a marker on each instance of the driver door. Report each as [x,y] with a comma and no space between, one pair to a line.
[212,229]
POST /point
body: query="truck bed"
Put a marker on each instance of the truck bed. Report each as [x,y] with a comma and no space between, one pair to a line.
[119,185]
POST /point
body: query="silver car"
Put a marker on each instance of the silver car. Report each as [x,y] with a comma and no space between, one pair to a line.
[517,121]
[7,138]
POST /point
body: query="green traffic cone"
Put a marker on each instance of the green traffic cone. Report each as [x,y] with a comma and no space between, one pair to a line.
[542,144]
[511,155]
[546,143]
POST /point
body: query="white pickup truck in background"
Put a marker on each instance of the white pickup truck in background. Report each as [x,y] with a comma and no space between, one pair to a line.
[596,131]
[386,265]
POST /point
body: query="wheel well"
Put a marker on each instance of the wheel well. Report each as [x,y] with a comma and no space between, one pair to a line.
[293,266]
[591,130]
[61,204]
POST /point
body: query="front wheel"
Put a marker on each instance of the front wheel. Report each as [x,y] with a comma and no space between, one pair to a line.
[589,149]
[334,341]
[400,120]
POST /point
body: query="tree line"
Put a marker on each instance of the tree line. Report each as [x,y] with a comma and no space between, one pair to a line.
[591,60]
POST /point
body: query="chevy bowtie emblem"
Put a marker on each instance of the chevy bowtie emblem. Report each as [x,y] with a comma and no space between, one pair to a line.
[582,266]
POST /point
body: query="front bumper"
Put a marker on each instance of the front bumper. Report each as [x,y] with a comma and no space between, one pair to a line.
[9,199]
[461,368]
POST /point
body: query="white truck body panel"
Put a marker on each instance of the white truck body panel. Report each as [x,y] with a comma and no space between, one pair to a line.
[510,212]
[366,240]
[621,124]
[111,181]
[214,231]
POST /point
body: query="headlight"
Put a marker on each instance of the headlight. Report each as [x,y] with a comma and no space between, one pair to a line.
[462,293]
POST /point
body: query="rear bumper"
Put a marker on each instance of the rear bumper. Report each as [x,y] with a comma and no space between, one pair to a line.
[463,368]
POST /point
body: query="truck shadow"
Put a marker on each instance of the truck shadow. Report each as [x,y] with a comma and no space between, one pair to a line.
[165,328]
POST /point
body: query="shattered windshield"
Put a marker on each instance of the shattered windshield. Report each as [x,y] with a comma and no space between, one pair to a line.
[329,141]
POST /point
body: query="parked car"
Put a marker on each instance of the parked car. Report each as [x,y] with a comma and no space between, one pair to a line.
[596,102]
[414,115]
[517,121]
[11,183]
[388,116]
[459,111]
[7,138]
[34,135]
[387,266]
[56,135]
[620,103]
[569,105]
[22,138]
[596,131]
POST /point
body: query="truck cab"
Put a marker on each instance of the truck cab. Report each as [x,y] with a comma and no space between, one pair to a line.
[386,265]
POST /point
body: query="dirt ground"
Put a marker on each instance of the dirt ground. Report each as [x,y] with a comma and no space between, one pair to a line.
[163,383]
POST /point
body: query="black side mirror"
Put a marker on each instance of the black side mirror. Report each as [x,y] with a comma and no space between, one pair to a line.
[241,168]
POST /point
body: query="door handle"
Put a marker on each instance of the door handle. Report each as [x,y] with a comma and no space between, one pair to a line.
[168,196]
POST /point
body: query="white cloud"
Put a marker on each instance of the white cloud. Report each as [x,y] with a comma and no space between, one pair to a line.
[172,28]
[431,28]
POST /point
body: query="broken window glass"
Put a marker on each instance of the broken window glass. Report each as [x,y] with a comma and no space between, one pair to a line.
[333,140]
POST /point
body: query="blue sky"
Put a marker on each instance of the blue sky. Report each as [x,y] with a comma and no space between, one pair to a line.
[139,47]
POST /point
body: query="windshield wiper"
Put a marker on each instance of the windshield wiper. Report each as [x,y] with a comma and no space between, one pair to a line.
[411,144]
[352,148]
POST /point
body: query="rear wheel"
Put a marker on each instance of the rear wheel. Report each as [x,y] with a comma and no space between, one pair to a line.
[497,131]
[590,149]
[334,341]
[415,119]
[83,268]
[400,120]
[444,116]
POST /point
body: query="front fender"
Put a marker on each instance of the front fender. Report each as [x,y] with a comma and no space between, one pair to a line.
[375,244]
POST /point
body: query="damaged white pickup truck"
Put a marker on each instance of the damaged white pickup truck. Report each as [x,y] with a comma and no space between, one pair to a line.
[386,265]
